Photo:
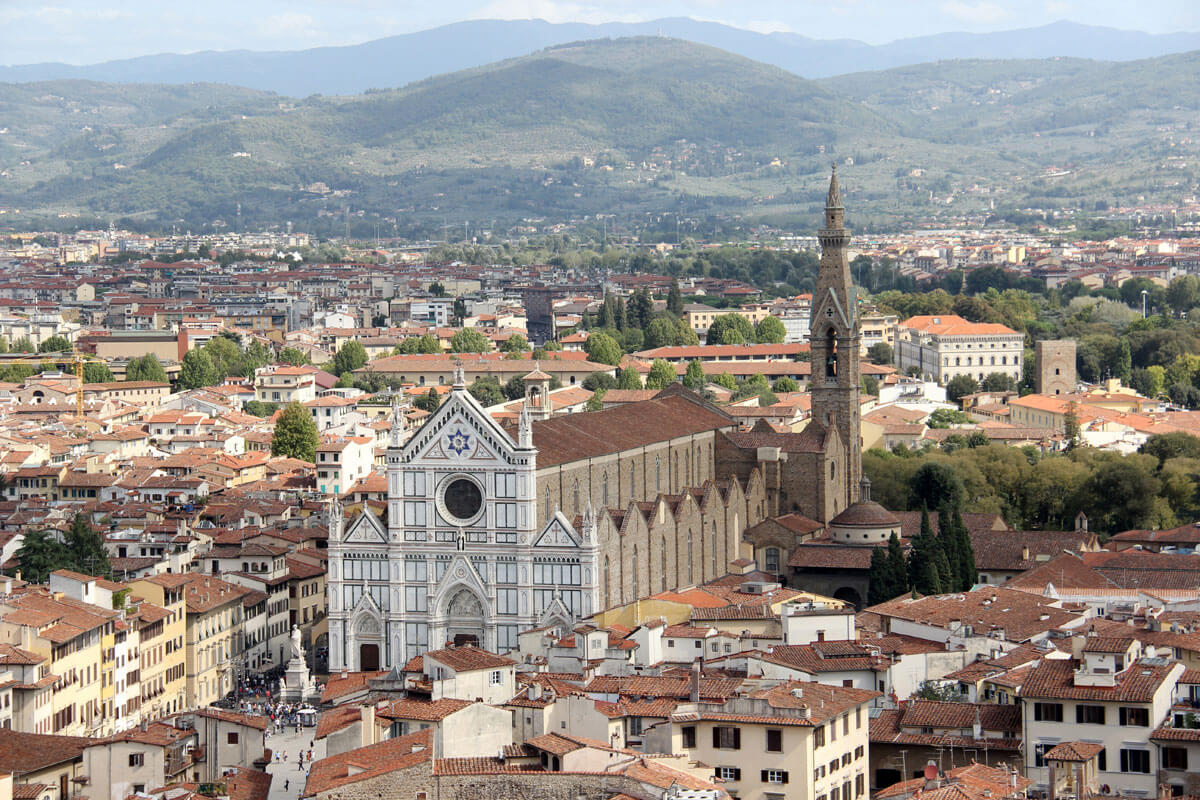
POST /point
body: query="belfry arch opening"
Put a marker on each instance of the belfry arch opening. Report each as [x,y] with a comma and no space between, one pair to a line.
[830,354]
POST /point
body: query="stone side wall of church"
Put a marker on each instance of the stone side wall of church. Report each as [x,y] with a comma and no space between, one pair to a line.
[664,548]
[630,476]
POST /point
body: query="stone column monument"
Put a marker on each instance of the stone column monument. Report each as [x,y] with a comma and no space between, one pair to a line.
[298,684]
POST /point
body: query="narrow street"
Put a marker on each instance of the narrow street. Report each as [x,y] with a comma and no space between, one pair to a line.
[288,780]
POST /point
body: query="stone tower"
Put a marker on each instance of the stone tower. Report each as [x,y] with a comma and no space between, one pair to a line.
[833,333]
[1055,361]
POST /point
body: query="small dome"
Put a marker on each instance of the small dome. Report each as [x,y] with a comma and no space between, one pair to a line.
[865,514]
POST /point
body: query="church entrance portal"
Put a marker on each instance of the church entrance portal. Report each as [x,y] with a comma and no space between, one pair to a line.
[464,618]
[368,657]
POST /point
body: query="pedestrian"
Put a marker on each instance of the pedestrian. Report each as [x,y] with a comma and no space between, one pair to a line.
[285,784]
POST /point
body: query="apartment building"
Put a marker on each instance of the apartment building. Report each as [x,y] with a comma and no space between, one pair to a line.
[157,604]
[794,741]
[1109,696]
[939,348]
[344,462]
[283,384]
[214,636]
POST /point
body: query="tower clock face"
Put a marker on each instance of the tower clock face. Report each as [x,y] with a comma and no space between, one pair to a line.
[462,500]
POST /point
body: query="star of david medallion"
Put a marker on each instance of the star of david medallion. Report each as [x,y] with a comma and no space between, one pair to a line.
[458,442]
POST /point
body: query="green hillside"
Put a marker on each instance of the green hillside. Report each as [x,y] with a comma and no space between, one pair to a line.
[626,127]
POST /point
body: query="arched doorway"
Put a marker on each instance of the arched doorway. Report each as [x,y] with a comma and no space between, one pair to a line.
[849,595]
[465,617]
[368,657]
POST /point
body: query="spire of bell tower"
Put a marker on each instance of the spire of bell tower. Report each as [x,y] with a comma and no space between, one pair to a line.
[834,344]
[834,198]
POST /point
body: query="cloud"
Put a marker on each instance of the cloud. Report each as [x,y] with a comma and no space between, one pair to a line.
[979,13]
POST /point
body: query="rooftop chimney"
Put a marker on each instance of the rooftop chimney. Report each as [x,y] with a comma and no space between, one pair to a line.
[694,688]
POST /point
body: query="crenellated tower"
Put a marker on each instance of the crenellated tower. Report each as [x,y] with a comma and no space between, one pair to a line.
[833,333]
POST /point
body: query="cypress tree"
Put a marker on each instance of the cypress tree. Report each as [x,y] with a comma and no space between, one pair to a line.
[879,578]
[897,567]
[948,543]
[923,560]
[621,319]
[966,553]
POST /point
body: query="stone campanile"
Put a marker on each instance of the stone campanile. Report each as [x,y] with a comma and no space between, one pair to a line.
[833,333]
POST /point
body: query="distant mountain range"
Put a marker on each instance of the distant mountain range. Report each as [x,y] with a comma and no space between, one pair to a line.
[398,60]
[631,128]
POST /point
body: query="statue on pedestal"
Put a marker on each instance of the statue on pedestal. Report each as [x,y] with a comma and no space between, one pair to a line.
[297,648]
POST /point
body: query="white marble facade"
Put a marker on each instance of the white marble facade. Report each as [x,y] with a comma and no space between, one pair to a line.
[460,558]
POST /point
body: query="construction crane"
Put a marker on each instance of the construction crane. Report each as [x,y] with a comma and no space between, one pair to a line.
[77,360]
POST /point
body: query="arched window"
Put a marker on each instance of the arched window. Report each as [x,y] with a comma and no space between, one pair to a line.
[546,495]
[830,355]
[636,596]
[832,470]
[632,482]
[575,496]
[687,466]
[712,552]
[604,489]
[657,474]
[662,563]
[607,588]
[691,563]
[771,559]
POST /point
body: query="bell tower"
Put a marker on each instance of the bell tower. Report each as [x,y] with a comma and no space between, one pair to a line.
[833,334]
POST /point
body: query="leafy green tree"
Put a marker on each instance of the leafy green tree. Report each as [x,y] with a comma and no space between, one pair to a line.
[459,310]
[948,417]
[469,340]
[662,374]
[685,335]
[427,344]
[514,388]
[260,408]
[516,344]
[97,372]
[661,332]
[935,484]
[1121,494]
[869,385]
[296,434]
[350,357]
[730,329]
[632,340]
[628,378]
[999,382]
[256,356]
[786,384]
[725,380]
[1165,446]
[85,548]
[487,391]
[940,692]
[694,377]
[18,373]
[23,345]
[40,554]
[960,386]
[437,290]
[428,401]
[55,344]
[596,401]
[770,331]
[881,353]
[197,370]
[294,356]
[675,299]
[145,368]
[599,381]
[603,349]
[965,551]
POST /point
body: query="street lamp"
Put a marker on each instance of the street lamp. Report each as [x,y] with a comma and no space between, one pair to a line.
[1144,293]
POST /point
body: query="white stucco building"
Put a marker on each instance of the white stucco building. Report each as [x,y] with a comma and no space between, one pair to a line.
[941,347]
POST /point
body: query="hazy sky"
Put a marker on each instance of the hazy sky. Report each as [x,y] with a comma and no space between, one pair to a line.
[86,31]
